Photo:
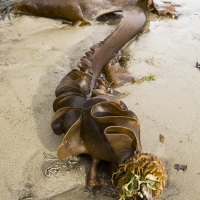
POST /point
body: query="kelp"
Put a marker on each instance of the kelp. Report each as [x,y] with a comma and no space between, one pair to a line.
[101,126]
[95,122]
[82,12]
[141,175]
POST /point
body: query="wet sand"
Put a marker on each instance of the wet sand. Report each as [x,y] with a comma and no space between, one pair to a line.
[35,54]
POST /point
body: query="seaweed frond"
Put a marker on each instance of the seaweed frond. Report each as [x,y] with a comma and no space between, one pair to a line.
[142,169]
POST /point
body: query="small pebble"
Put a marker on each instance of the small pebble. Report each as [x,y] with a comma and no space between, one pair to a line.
[180,167]
[162,138]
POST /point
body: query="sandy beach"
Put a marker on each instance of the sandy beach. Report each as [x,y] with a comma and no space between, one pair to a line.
[35,54]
